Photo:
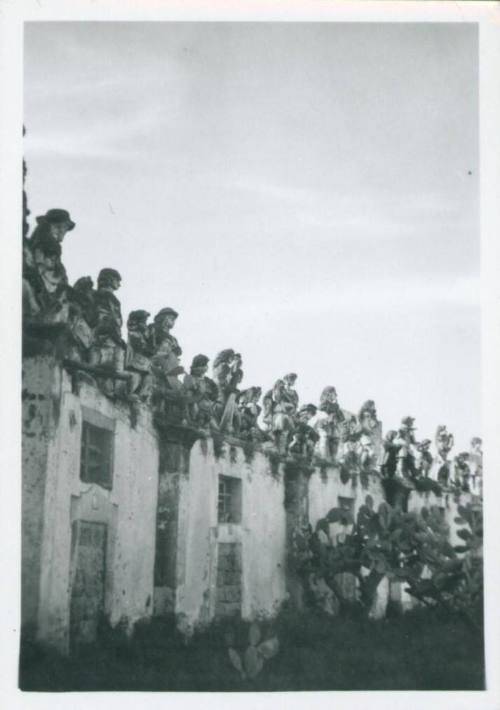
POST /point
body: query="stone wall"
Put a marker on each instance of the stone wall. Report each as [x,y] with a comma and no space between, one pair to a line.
[194,590]
[56,500]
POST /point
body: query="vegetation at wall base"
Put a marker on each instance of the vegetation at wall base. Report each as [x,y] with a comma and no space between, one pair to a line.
[419,650]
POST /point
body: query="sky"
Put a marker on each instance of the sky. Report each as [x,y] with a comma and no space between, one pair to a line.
[306,194]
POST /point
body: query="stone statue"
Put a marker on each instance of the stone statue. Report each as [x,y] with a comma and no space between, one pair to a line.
[45,293]
[424,459]
[476,466]
[82,317]
[201,394]
[249,408]
[367,416]
[304,436]
[406,444]
[228,374]
[444,442]
[329,424]
[108,348]
[391,449]
[462,472]
[169,395]
[280,406]
[370,442]
[139,353]
[56,223]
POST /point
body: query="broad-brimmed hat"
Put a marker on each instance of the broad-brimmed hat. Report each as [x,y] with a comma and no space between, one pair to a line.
[56,216]
[165,312]
[107,274]
[199,361]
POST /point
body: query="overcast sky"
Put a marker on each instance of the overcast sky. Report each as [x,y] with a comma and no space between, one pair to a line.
[306,194]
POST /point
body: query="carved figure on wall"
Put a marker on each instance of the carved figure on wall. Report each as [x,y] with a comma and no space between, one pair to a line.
[329,424]
[424,458]
[290,393]
[45,281]
[367,416]
[82,317]
[305,437]
[55,223]
[201,394]
[462,472]
[350,461]
[108,348]
[139,353]
[476,466]
[391,449]
[249,408]
[444,442]
[168,392]
[366,451]
[406,443]
[280,405]
[228,374]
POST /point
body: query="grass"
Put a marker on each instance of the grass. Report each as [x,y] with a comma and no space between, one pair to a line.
[417,651]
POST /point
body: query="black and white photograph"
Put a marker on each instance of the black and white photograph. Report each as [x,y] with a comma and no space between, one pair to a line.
[251,399]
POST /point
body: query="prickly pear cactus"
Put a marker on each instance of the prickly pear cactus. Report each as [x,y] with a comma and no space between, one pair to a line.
[250,662]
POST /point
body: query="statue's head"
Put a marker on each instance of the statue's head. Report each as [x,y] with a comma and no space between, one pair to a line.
[224,357]
[408,424]
[306,412]
[109,279]
[256,394]
[290,379]
[328,396]
[136,319]
[279,386]
[368,410]
[391,435]
[199,365]
[462,457]
[424,445]
[476,444]
[165,319]
[58,222]
[84,284]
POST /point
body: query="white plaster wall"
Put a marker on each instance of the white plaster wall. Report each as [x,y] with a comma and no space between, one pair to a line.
[448,501]
[197,527]
[262,534]
[129,510]
[326,486]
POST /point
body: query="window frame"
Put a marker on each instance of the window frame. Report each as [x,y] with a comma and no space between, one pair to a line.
[95,426]
[229,500]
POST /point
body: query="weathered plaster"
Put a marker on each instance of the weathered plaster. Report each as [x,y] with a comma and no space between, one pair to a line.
[129,509]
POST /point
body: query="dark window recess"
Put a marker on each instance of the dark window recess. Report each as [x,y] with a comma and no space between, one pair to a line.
[348,505]
[229,501]
[96,464]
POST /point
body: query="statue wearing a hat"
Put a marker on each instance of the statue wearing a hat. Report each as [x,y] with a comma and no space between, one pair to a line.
[45,279]
[201,393]
[228,374]
[108,348]
[280,406]
[139,353]
[168,393]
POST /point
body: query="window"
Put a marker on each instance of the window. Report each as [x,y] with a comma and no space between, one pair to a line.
[347,504]
[96,460]
[229,502]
